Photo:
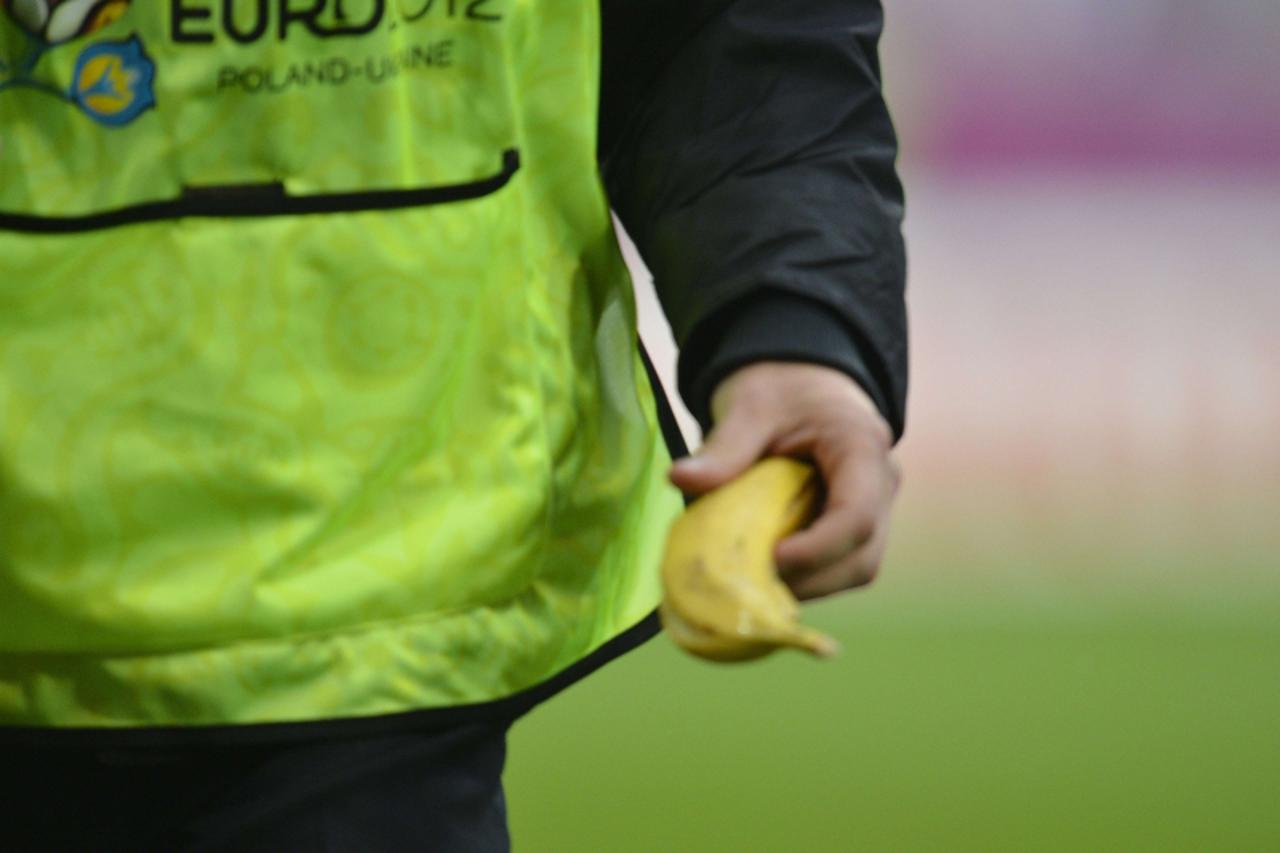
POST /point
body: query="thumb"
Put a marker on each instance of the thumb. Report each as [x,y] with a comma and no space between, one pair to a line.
[732,447]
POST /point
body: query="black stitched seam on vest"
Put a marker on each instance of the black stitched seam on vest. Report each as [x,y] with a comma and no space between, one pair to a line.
[261,200]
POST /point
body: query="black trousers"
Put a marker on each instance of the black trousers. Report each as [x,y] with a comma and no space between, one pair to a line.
[435,790]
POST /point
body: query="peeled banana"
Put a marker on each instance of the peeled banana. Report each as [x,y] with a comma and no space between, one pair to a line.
[722,597]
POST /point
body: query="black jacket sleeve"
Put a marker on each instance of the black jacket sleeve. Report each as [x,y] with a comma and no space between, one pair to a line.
[747,148]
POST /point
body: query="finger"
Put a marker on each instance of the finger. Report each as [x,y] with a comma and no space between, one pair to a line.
[857,494]
[858,569]
[736,442]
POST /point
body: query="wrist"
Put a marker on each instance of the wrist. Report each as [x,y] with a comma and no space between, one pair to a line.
[769,388]
[770,327]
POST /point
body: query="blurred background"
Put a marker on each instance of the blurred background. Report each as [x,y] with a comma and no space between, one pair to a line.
[1075,644]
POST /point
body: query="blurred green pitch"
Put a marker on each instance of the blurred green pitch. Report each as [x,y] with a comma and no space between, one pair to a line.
[1075,687]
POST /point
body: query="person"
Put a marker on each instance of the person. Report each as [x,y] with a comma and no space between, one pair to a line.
[327,448]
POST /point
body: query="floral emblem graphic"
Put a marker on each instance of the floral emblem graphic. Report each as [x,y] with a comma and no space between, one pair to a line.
[113,80]
[57,21]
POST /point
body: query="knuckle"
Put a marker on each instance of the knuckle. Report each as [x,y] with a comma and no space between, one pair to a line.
[895,473]
[880,434]
[866,572]
[863,528]
[872,432]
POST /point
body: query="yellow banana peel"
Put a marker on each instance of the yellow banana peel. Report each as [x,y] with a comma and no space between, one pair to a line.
[723,599]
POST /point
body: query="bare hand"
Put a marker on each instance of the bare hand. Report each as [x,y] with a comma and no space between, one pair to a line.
[817,413]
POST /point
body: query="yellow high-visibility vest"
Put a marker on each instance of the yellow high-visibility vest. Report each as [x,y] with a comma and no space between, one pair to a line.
[319,390]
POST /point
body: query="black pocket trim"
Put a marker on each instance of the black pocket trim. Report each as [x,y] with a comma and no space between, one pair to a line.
[257,200]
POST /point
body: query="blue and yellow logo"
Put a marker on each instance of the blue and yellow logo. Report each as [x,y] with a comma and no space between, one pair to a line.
[113,81]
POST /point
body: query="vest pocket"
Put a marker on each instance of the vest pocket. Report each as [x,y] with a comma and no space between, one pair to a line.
[266,199]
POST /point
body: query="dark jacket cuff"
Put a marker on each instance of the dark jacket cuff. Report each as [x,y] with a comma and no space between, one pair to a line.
[772,326]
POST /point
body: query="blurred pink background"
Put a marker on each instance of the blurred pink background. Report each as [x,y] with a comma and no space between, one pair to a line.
[1138,85]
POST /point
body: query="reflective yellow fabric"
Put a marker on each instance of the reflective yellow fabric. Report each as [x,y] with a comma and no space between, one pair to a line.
[334,464]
